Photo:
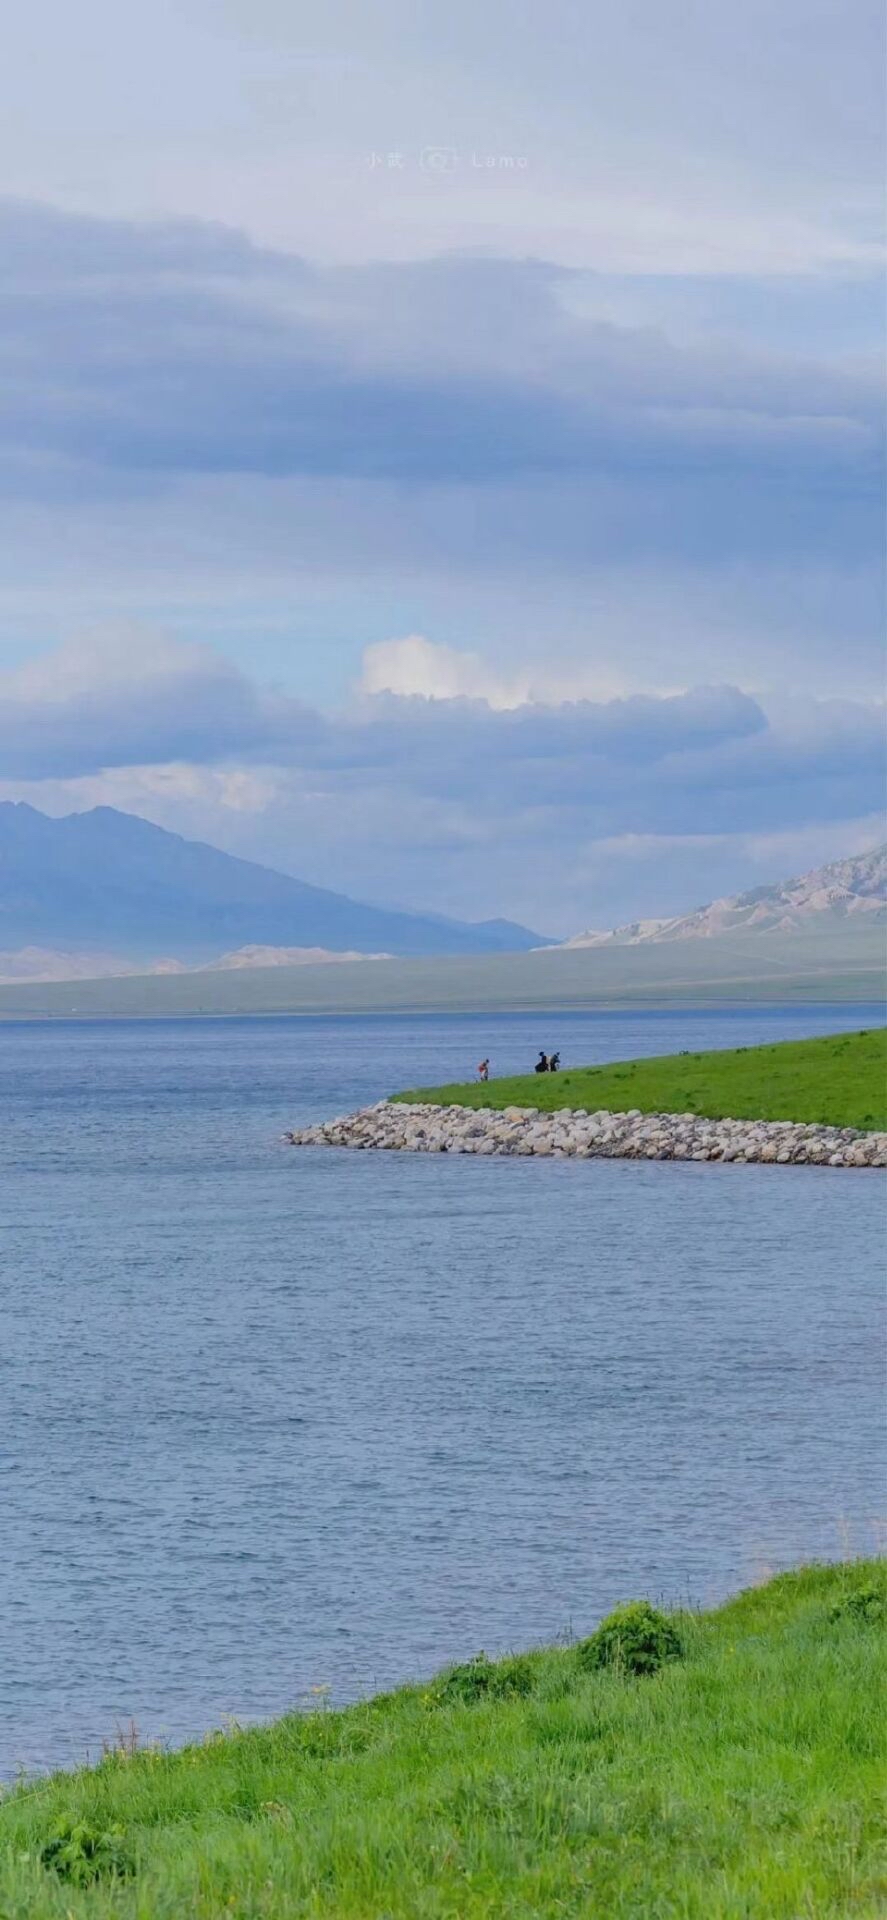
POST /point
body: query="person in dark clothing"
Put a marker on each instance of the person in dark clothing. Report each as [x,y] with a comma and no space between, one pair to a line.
[541,1064]
[554,1063]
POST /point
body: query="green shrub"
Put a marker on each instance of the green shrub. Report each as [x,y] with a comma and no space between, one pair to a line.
[636,1638]
[865,1605]
[81,1854]
[480,1679]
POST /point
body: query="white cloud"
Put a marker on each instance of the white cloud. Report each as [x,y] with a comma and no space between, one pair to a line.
[416,668]
[135,696]
[125,657]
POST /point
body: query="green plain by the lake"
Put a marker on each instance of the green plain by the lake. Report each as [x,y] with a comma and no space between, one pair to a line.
[722,1766]
[839,1080]
[807,967]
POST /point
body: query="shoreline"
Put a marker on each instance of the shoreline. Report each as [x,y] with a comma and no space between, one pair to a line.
[570,1778]
[575,1133]
[636,1004]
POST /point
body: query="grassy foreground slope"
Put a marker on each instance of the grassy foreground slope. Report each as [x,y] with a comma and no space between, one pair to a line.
[740,1780]
[840,1081]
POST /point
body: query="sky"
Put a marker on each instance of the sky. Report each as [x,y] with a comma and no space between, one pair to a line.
[442,448]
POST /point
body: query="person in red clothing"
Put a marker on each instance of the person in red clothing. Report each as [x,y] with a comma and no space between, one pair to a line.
[483,1071]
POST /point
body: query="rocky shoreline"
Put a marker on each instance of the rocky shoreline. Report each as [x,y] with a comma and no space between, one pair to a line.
[418,1128]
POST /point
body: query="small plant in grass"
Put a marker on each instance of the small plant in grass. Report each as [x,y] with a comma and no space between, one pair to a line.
[81,1854]
[865,1605]
[481,1679]
[636,1638]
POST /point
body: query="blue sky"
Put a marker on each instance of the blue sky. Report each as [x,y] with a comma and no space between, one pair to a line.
[443,455]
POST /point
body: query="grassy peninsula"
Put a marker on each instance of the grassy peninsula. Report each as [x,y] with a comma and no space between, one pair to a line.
[839,1081]
[721,1766]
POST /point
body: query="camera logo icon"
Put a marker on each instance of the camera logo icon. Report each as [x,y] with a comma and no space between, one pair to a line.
[438,160]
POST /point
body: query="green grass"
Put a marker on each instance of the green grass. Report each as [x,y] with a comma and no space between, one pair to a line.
[840,1081]
[740,1780]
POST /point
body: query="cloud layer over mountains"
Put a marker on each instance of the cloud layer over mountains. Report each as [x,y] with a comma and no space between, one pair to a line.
[455,790]
[462,429]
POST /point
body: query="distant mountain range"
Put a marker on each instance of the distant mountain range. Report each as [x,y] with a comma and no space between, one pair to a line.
[108,892]
[42,964]
[827,894]
[101,894]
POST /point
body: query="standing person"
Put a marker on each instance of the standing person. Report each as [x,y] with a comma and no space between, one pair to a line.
[483,1071]
[541,1064]
[554,1063]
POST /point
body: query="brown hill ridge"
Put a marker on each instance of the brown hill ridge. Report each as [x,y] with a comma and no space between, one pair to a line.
[831,893]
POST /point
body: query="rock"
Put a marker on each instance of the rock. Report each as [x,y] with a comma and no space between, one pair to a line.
[414,1128]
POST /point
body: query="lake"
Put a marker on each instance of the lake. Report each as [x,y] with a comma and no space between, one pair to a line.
[274,1420]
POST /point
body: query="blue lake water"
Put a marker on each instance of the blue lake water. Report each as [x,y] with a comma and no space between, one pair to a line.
[273,1420]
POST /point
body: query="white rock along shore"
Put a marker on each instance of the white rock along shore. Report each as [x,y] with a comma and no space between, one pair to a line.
[419,1128]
